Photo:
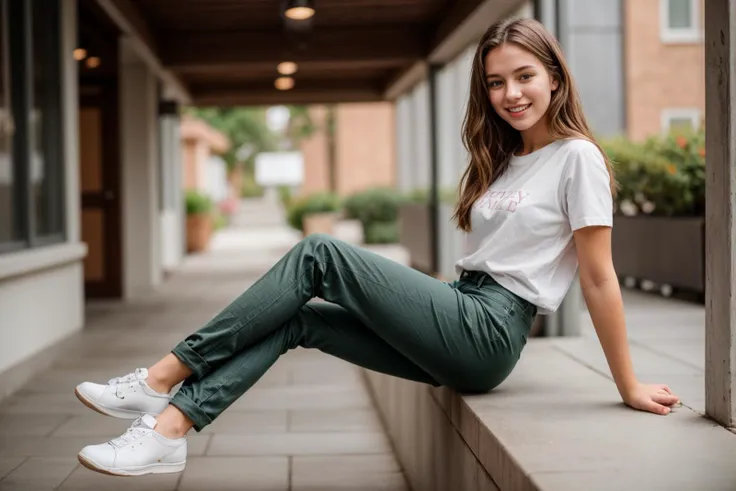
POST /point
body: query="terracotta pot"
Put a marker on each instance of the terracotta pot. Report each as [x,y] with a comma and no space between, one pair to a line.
[199,231]
[320,223]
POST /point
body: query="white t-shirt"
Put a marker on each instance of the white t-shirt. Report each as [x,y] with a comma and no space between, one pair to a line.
[522,227]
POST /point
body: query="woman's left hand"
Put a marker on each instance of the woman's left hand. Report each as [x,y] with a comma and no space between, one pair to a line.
[655,398]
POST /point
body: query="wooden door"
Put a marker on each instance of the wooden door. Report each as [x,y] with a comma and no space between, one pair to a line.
[100,189]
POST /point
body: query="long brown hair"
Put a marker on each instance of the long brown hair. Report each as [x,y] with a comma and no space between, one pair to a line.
[489,139]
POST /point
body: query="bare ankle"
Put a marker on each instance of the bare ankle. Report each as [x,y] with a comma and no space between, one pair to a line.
[159,385]
[166,373]
[172,423]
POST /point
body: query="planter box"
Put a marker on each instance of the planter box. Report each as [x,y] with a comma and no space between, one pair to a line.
[415,235]
[199,231]
[320,223]
[664,250]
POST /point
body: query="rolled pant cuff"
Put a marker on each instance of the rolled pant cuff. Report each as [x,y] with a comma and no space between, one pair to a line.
[192,359]
[191,410]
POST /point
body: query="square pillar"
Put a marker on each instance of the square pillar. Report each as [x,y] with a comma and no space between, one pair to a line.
[139,144]
[720,206]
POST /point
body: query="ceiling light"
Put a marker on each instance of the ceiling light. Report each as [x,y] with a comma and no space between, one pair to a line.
[284,83]
[93,62]
[299,9]
[287,68]
[80,54]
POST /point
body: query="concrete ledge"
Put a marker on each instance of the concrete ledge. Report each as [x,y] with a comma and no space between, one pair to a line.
[555,424]
[29,261]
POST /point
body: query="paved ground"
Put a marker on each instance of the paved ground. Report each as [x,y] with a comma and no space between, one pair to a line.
[307,425]
[667,339]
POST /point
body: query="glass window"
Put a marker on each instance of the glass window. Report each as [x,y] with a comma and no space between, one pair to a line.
[681,124]
[680,14]
[31,150]
[9,229]
[680,119]
[46,171]
[680,21]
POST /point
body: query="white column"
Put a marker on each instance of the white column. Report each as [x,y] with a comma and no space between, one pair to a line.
[548,14]
[420,135]
[463,71]
[720,229]
[172,211]
[403,143]
[70,112]
[447,131]
[141,227]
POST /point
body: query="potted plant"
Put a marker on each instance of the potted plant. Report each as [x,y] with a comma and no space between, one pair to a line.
[315,213]
[659,224]
[199,221]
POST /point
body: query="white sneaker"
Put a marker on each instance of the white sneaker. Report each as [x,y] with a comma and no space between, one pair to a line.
[139,451]
[126,397]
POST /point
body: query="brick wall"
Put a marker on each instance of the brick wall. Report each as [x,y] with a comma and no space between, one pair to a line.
[658,75]
[364,153]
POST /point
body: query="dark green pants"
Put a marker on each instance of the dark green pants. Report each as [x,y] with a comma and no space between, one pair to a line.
[380,315]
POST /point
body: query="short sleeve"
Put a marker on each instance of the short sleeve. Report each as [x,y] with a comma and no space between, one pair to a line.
[587,189]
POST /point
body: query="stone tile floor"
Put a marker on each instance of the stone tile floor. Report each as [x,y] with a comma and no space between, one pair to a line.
[308,424]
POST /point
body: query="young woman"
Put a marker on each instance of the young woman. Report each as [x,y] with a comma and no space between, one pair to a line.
[536,203]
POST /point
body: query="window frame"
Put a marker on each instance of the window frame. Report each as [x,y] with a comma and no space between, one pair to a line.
[689,35]
[18,45]
[692,113]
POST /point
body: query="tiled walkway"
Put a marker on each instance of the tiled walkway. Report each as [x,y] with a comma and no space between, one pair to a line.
[307,425]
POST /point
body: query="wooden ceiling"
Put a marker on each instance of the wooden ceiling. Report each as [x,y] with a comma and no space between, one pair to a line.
[226,51]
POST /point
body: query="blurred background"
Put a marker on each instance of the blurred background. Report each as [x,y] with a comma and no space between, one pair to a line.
[141,137]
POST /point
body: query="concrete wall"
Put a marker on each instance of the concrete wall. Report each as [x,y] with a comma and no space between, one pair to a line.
[364,149]
[142,268]
[314,150]
[172,210]
[659,75]
[365,146]
[41,289]
[591,34]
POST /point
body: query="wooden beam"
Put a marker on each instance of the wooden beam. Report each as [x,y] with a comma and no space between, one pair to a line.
[406,80]
[464,24]
[139,39]
[274,97]
[720,228]
[379,45]
[129,19]
[305,92]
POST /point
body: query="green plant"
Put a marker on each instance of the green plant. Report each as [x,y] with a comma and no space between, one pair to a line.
[219,221]
[374,205]
[377,209]
[686,151]
[314,203]
[285,196]
[663,176]
[420,196]
[381,233]
[250,188]
[197,203]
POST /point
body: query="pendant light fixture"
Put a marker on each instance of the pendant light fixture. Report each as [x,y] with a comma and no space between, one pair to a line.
[287,68]
[284,83]
[299,9]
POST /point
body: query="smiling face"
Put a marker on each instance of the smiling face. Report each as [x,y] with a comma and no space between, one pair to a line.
[519,87]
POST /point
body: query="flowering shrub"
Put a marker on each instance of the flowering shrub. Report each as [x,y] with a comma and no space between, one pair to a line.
[663,176]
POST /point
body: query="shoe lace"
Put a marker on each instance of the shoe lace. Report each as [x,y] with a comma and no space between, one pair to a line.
[130,435]
[129,381]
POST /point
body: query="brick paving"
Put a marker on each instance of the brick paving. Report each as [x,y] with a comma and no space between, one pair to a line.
[308,424]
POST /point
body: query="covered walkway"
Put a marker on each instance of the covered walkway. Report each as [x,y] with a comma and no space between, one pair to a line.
[307,425]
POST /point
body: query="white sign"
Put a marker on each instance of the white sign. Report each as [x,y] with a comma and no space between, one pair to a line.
[279,169]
